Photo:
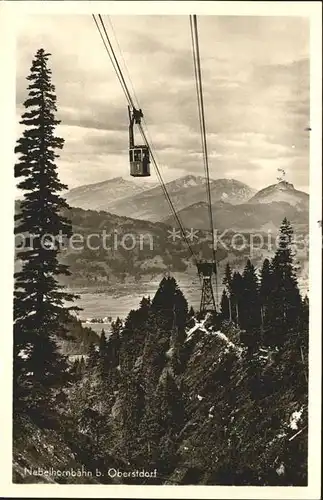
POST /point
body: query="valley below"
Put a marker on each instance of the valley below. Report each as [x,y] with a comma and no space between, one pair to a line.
[105,302]
[111,282]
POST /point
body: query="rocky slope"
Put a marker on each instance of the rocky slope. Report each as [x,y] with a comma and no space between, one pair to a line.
[54,456]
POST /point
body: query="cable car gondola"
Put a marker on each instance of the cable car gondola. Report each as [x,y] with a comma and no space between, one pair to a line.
[139,154]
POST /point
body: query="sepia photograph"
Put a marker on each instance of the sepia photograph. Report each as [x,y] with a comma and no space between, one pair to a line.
[162,247]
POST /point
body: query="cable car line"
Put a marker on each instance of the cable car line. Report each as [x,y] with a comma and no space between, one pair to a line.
[123,83]
[134,92]
[128,95]
[168,197]
[199,89]
[206,269]
[124,63]
[111,59]
[152,147]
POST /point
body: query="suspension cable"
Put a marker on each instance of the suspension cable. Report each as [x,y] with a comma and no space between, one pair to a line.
[200,103]
[118,71]
[111,59]
[167,194]
[200,100]
[197,91]
[124,62]
[123,83]
[152,147]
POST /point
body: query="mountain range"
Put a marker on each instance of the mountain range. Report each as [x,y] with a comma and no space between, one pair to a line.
[235,205]
[265,210]
[127,198]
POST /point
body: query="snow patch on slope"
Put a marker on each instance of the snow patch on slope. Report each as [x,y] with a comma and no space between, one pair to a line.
[295,418]
[200,326]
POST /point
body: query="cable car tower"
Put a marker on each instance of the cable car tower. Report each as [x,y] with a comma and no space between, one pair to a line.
[205,269]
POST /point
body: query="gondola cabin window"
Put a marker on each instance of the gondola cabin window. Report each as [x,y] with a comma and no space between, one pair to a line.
[139,161]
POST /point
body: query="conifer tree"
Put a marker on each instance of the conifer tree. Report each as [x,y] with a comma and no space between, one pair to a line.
[81,365]
[304,317]
[236,296]
[39,299]
[113,350]
[93,357]
[171,303]
[250,307]
[103,356]
[156,345]
[225,306]
[102,343]
[170,310]
[134,331]
[145,304]
[163,419]
[227,280]
[191,312]
[265,290]
[132,407]
[75,367]
[171,413]
[284,305]
[171,405]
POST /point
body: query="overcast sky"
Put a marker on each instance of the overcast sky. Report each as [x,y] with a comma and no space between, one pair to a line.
[256,93]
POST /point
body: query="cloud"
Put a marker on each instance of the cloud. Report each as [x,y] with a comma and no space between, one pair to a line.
[255,86]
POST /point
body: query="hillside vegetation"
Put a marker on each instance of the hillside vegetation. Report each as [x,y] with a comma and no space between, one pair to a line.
[203,399]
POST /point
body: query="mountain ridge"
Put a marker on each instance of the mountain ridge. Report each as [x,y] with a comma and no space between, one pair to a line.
[246,216]
[150,204]
[97,196]
[126,198]
[281,191]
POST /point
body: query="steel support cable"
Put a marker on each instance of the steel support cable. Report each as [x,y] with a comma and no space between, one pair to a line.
[167,195]
[197,63]
[124,62]
[129,98]
[152,147]
[129,78]
[154,157]
[122,81]
[197,91]
[206,154]
[200,101]
[111,59]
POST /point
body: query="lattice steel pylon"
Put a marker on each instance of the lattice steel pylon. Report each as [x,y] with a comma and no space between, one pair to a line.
[206,270]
